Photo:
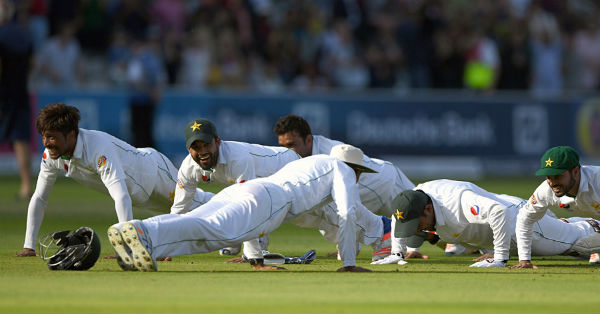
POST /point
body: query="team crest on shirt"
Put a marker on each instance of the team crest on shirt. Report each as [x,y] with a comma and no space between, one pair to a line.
[101,161]
[532,200]
[179,184]
[475,210]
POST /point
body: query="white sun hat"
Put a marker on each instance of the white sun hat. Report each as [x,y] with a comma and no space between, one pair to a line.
[351,155]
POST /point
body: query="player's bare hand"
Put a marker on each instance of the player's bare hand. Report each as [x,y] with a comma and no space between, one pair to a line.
[415,254]
[332,254]
[26,253]
[237,259]
[524,264]
[354,269]
[266,267]
[483,257]
[164,259]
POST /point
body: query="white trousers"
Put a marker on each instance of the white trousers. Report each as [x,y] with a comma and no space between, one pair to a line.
[239,213]
[553,236]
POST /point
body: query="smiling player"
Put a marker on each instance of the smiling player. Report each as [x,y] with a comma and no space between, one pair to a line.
[140,177]
[566,183]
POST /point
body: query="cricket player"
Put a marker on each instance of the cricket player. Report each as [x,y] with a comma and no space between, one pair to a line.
[568,185]
[461,212]
[140,177]
[245,211]
[212,160]
[376,191]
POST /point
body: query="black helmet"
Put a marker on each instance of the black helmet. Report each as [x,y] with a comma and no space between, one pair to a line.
[76,250]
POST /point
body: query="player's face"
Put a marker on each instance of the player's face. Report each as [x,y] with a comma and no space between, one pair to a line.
[58,144]
[205,154]
[427,221]
[565,183]
[293,140]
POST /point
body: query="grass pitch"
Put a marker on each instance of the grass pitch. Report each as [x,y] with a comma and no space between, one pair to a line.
[203,283]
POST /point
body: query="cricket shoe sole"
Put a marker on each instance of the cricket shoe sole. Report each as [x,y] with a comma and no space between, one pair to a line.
[135,236]
[124,257]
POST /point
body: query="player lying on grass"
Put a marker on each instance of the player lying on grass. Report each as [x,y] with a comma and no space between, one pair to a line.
[568,185]
[376,191]
[461,212]
[140,177]
[244,212]
[212,160]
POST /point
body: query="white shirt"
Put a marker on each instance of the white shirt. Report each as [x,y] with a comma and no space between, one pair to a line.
[237,162]
[377,190]
[466,213]
[586,204]
[315,181]
[104,163]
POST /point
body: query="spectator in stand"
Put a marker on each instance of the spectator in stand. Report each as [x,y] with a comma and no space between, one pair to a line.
[587,48]
[547,53]
[196,58]
[58,62]
[146,77]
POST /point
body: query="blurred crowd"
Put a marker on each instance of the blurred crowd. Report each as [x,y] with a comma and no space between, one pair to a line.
[544,46]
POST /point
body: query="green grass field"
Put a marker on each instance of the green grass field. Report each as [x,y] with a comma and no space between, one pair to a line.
[203,283]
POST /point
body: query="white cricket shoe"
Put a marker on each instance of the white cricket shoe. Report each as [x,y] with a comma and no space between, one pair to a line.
[395,258]
[454,249]
[124,257]
[595,259]
[135,235]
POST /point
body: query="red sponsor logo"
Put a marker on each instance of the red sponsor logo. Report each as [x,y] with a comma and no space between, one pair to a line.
[44,156]
[179,184]
[204,178]
[66,167]
[242,181]
[475,210]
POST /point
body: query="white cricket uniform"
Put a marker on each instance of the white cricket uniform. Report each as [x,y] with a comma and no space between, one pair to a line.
[237,162]
[376,190]
[586,203]
[141,177]
[246,211]
[468,214]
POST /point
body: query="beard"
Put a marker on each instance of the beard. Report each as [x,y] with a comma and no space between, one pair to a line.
[563,189]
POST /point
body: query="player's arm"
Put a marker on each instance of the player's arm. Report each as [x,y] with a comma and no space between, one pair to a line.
[37,205]
[185,191]
[345,196]
[533,211]
[113,176]
[498,221]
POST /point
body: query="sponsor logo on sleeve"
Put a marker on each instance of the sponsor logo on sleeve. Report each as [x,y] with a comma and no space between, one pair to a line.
[179,184]
[532,200]
[101,161]
[475,210]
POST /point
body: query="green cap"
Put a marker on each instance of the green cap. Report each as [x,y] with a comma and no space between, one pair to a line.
[557,160]
[199,129]
[409,206]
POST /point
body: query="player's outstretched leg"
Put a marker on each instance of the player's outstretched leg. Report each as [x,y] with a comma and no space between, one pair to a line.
[124,257]
[136,237]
